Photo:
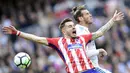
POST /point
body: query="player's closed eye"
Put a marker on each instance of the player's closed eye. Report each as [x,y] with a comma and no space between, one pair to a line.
[70,26]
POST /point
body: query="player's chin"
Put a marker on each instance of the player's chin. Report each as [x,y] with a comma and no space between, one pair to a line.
[74,35]
[90,23]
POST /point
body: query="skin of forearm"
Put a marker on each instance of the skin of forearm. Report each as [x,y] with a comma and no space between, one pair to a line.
[103,29]
[34,38]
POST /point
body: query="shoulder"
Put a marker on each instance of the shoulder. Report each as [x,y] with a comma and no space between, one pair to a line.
[86,36]
[80,27]
[53,40]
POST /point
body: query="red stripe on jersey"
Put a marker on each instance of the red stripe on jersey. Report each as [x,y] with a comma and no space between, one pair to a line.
[70,57]
[82,63]
[90,63]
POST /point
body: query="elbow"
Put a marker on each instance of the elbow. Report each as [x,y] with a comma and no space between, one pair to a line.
[91,53]
[38,40]
[42,41]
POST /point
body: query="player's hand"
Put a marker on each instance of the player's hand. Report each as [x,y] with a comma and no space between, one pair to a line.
[118,16]
[9,30]
[102,53]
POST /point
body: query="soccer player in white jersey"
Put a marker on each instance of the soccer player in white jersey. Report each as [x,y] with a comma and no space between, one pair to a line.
[84,19]
[70,47]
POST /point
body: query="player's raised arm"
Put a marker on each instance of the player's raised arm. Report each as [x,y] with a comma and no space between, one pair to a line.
[116,17]
[13,30]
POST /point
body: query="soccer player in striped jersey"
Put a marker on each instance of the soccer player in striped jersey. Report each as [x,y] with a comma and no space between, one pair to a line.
[84,19]
[70,47]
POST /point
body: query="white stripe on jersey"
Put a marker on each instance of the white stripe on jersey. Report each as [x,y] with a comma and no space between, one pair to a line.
[83,54]
[75,56]
[65,55]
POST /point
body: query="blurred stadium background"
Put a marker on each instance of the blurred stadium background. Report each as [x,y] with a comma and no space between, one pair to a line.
[42,17]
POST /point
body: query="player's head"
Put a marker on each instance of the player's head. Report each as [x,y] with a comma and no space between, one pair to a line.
[81,14]
[67,27]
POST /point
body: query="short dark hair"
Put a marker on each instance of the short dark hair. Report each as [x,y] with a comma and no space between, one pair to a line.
[62,24]
[76,11]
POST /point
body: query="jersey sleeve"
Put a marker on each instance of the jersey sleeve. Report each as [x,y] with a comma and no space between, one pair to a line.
[53,42]
[87,37]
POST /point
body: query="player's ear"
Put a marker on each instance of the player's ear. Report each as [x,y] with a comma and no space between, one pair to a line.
[63,30]
[80,18]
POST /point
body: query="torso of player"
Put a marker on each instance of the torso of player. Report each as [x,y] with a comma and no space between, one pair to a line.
[81,30]
[72,52]
[75,56]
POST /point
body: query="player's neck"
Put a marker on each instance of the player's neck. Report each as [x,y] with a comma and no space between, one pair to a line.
[83,24]
[66,36]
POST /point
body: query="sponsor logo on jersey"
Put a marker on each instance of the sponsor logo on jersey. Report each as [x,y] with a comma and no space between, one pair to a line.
[74,46]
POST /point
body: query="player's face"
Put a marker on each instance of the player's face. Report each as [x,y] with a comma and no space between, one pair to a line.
[69,29]
[87,17]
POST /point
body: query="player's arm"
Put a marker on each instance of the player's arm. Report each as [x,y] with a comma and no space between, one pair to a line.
[91,53]
[41,40]
[116,17]
[13,30]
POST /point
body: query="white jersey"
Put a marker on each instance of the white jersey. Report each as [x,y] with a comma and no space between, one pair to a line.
[81,30]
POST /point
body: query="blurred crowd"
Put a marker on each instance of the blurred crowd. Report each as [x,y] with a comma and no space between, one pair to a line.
[42,17]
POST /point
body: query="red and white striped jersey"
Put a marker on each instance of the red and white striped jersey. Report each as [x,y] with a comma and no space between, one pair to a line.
[72,52]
